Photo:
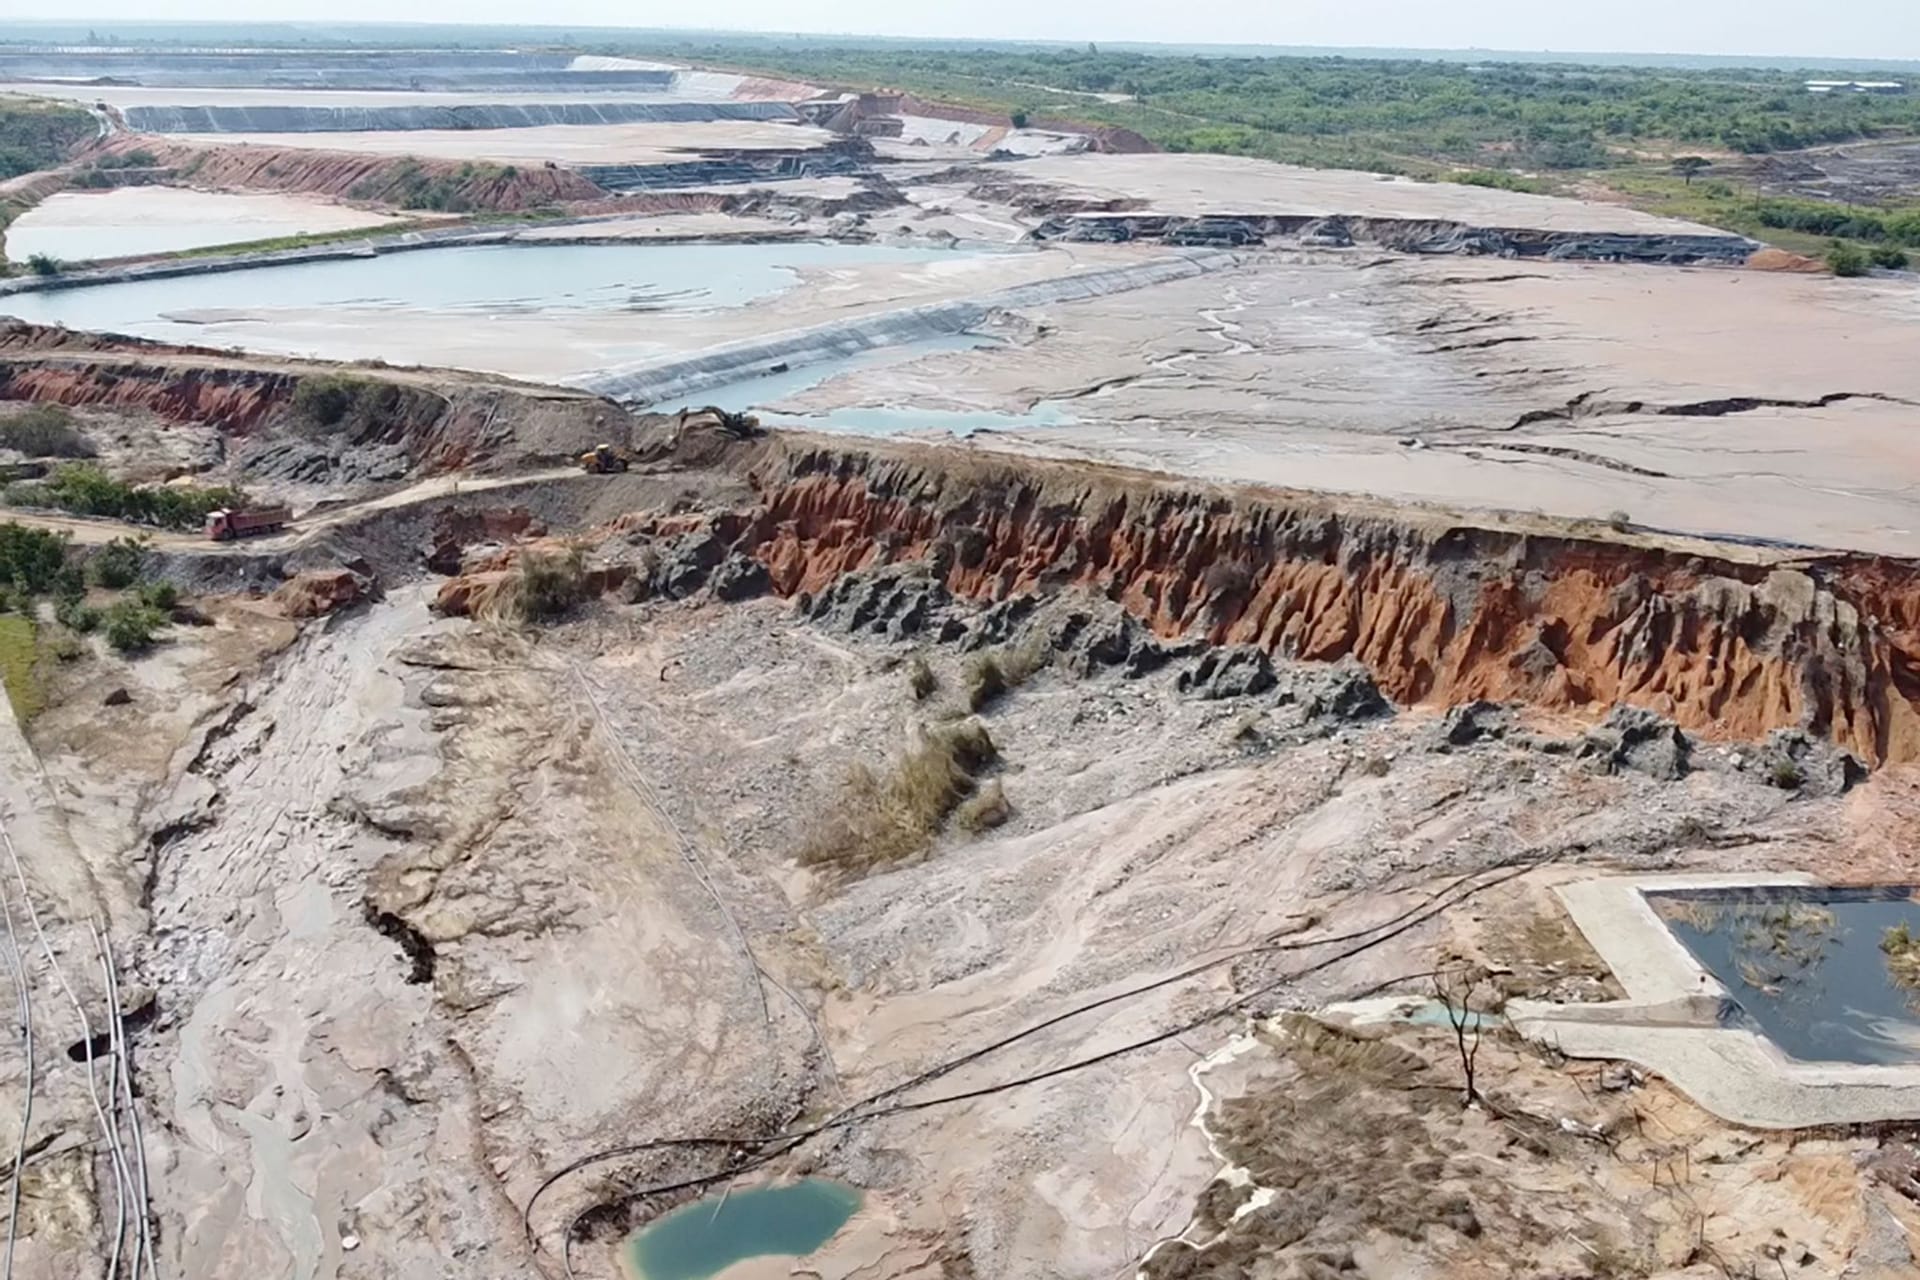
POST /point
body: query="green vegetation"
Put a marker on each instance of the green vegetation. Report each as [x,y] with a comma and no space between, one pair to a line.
[1498,179]
[131,626]
[117,565]
[38,135]
[359,405]
[408,184]
[1845,259]
[880,821]
[1395,116]
[87,490]
[32,561]
[1902,950]
[44,431]
[19,666]
[43,265]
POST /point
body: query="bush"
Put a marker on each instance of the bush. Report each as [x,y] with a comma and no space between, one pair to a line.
[984,810]
[1787,775]
[44,431]
[996,672]
[360,406]
[87,490]
[117,565]
[1892,257]
[159,596]
[42,265]
[31,560]
[75,614]
[544,587]
[1847,260]
[880,821]
[131,626]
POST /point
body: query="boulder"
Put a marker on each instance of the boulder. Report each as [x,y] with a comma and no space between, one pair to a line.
[319,592]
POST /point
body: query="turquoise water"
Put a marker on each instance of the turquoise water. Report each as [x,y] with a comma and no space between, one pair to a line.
[702,1239]
[480,278]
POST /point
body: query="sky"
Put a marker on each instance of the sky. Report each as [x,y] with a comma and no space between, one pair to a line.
[1842,28]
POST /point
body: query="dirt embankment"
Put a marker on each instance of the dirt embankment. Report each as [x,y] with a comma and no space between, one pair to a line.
[443,421]
[1730,648]
[375,179]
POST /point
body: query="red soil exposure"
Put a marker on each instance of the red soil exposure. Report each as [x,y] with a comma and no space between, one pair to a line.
[376,179]
[235,400]
[1438,612]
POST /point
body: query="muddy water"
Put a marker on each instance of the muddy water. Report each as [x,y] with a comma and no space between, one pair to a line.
[706,1237]
[469,286]
[1808,970]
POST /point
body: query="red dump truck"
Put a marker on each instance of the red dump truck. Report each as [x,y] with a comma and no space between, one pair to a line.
[224,526]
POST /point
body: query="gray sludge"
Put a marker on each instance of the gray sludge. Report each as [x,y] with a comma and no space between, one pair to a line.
[266,119]
[1405,235]
[671,381]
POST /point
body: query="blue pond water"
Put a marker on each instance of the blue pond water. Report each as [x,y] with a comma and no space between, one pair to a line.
[1807,967]
[704,1238]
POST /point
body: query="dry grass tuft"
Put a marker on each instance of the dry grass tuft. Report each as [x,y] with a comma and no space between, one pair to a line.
[920,678]
[984,810]
[543,586]
[880,821]
[997,672]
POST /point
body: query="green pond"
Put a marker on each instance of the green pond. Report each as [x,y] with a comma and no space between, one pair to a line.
[706,1237]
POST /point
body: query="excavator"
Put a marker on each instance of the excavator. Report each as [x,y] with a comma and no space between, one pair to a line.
[604,460]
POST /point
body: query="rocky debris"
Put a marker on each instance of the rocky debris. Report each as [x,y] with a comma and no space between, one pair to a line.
[1238,672]
[1794,760]
[897,603]
[335,461]
[1641,741]
[118,698]
[739,578]
[456,530]
[1470,723]
[1342,691]
[684,565]
[319,592]
[1117,641]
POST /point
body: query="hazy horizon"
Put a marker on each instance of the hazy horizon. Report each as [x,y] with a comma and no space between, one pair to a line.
[1858,30]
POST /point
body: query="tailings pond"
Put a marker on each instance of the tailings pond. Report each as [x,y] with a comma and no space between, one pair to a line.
[1825,974]
[529,310]
[706,1237]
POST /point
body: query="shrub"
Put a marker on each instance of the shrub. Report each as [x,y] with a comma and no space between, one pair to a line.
[1619,521]
[117,565]
[879,821]
[1847,260]
[31,560]
[360,406]
[1892,257]
[984,810]
[998,671]
[75,614]
[1787,775]
[42,265]
[131,626]
[159,596]
[44,431]
[87,490]
[542,587]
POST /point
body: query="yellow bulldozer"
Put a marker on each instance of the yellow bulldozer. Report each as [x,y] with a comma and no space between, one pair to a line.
[604,460]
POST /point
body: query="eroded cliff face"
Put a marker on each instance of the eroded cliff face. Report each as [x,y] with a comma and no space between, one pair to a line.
[443,422]
[1438,611]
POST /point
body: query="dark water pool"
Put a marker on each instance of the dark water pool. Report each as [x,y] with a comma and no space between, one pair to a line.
[1811,968]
